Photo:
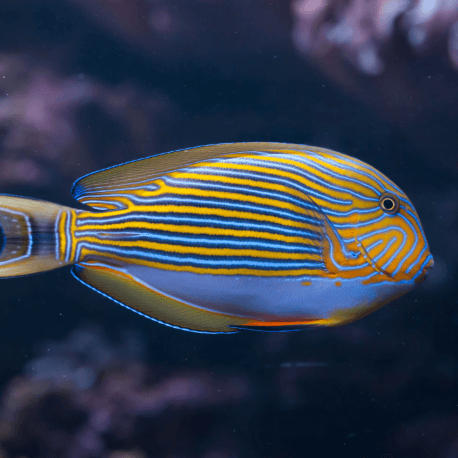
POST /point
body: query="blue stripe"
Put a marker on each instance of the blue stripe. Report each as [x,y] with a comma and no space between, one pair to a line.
[401,246]
[320,181]
[186,220]
[364,165]
[413,245]
[263,179]
[232,204]
[420,271]
[383,252]
[220,242]
[201,261]
[242,189]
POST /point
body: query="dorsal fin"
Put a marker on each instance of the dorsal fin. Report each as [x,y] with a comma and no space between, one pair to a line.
[93,189]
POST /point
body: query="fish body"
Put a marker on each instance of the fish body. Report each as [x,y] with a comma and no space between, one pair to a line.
[231,236]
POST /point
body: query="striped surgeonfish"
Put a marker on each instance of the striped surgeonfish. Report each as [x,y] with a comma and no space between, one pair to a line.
[270,236]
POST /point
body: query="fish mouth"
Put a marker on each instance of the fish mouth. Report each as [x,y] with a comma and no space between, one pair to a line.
[425,272]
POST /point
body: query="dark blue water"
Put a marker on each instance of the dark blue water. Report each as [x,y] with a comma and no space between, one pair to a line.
[82,376]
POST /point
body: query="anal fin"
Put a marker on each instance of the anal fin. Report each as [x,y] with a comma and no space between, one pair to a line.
[130,292]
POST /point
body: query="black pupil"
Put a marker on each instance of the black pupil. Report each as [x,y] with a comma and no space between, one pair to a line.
[388,204]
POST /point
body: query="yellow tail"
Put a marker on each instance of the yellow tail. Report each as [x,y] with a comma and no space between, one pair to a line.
[29,237]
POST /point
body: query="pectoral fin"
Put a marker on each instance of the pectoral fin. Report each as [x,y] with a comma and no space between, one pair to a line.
[130,292]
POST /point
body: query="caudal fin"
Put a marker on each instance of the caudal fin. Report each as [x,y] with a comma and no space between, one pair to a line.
[29,237]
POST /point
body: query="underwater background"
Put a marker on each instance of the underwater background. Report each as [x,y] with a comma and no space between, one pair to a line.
[86,84]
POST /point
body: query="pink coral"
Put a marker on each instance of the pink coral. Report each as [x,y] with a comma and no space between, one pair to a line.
[361,29]
[100,389]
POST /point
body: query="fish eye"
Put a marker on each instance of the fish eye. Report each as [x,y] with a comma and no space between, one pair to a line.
[389,203]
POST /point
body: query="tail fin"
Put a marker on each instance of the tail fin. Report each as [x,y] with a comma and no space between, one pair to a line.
[29,237]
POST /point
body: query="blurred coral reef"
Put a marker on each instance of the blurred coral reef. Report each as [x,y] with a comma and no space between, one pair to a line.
[42,127]
[85,397]
[89,397]
[396,56]
[360,30]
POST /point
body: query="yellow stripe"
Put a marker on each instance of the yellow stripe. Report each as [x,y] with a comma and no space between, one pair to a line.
[262,184]
[205,251]
[281,188]
[62,235]
[73,216]
[240,197]
[333,180]
[296,177]
[357,174]
[196,230]
[86,253]
[210,211]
